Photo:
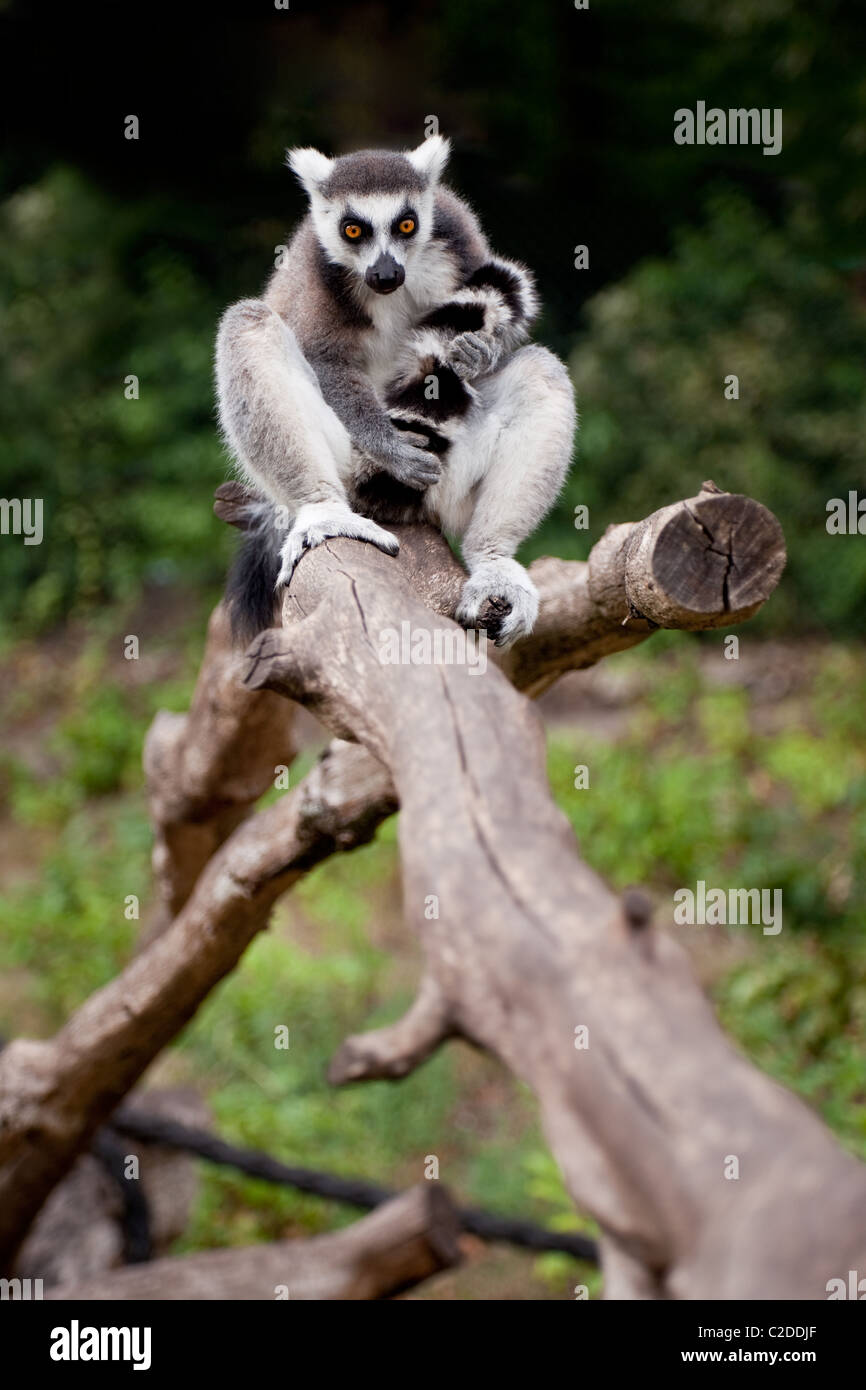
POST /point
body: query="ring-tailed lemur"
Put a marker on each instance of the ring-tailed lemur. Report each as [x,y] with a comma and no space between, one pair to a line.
[382,378]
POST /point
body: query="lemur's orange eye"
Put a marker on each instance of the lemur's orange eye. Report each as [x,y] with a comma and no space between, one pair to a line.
[407,226]
[352,231]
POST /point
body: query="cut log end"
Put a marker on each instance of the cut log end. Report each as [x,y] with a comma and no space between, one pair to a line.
[711,561]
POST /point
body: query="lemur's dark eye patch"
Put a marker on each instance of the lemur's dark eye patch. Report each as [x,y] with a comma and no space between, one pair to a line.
[353,229]
[406,224]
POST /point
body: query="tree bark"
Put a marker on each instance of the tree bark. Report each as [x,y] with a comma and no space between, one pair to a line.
[206,769]
[528,943]
[399,1245]
[82,1230]
[55,1093]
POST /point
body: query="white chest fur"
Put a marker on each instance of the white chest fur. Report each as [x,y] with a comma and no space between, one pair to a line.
[430,281]
[393,319]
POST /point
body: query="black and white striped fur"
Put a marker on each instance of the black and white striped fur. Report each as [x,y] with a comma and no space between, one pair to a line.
[431,395]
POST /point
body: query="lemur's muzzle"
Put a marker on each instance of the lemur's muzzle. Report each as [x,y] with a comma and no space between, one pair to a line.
[385,274]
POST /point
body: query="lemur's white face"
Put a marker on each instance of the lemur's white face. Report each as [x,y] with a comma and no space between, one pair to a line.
[378,234]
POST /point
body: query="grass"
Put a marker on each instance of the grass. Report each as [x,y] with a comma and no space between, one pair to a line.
[703,777]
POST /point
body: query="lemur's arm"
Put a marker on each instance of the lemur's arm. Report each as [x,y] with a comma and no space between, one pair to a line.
[350,394]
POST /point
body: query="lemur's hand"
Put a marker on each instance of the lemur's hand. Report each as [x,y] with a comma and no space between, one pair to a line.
[409,463]
[471,355]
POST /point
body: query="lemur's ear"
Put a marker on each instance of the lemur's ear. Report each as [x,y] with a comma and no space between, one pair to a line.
[430,157]
[310,166]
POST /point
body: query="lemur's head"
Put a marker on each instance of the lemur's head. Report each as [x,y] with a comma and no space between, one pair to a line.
[373,211]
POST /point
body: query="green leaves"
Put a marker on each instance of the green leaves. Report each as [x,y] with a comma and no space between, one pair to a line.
[91,293]
[738,297]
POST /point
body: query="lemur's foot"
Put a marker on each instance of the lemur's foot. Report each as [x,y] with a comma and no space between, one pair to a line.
[511,597]
[322,521]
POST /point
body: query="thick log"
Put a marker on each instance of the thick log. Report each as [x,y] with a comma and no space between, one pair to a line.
[710,561]
[402,1243]
[706,562]
[529,944]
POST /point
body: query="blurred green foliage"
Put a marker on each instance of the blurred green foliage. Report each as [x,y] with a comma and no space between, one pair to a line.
[737,297]
[126,483]
[721,801]
[700,788]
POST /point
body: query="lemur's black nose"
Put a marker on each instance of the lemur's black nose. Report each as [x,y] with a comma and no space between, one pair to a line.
[385,275]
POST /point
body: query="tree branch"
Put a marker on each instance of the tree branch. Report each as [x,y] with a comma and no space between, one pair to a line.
[402,1243]
[54,1094]
[206,769]
[530,944]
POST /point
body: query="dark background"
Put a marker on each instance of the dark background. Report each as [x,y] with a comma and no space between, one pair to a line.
[561,119]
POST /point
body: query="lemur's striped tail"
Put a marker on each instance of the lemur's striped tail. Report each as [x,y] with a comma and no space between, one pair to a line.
[430,400]
[251,585]
[497,302]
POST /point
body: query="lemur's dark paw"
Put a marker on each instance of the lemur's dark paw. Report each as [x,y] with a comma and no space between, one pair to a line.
[414,467]
[500,597]
[492,617]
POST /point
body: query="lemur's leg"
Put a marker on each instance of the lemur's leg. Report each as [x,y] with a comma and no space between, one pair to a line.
[503,475]
[283,433]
